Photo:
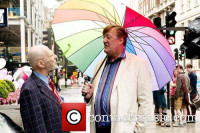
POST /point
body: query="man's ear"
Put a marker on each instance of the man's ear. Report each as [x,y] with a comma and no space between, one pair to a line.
[122,40]
[40,64]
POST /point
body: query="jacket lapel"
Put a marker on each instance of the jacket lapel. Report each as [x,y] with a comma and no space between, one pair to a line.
[45,90]
[97,79]
[122,69]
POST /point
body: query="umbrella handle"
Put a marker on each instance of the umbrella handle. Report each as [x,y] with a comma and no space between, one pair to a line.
[84,94]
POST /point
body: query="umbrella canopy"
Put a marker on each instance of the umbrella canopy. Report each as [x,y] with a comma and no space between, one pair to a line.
[78,27]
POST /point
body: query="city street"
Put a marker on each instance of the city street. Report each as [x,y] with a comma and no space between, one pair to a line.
[128,49]
[73,95]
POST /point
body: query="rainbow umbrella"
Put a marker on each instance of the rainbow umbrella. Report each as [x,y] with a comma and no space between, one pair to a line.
[78,26]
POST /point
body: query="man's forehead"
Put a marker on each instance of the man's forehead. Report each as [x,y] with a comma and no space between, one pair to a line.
[111,32]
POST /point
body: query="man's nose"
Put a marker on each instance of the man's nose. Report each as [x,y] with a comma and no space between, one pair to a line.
[104,39]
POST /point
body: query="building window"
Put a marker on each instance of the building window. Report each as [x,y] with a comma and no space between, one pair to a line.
[189,4]
[196,3]
[157,2]
[182,6]
[147,6]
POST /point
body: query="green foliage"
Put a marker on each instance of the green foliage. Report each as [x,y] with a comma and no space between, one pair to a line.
[3,91]
[5,84]
[12,86]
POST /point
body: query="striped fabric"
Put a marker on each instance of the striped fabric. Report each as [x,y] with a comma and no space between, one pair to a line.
[102,101]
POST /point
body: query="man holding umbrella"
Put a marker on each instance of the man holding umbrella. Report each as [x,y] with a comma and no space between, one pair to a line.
[121,86]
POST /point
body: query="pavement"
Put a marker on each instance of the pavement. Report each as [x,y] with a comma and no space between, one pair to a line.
[73,95]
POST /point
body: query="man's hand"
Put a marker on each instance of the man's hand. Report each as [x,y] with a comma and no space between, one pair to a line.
[88,90]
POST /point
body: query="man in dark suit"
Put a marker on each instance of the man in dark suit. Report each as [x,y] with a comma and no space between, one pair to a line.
[40,104]
[193,86]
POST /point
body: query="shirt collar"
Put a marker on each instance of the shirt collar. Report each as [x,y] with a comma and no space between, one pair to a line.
[42,77]
[122,56]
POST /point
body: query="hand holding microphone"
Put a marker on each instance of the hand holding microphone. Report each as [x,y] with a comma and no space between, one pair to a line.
[87,90]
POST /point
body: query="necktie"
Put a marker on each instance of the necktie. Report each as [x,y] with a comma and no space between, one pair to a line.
[54,91]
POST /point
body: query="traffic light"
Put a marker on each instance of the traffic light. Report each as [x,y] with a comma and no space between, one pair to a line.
[47,38]
[170,22]
[157,22]
[170,19]
[191,44]
[176,54]
[4,53]
[180,56]
[193,50]
[10,57]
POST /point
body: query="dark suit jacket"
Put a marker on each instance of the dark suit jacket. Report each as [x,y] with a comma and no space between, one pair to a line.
[40,110]
[193,83]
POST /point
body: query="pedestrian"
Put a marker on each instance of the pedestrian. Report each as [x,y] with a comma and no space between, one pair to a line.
[58,81]
[40,105]
[182,88]
[160,106]
[193,93]
[121,87]
[172,92]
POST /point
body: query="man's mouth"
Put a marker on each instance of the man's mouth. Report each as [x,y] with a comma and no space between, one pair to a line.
[105,45]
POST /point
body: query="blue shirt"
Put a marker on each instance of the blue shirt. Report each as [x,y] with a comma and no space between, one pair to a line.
[43,78]
[46,82]
[102,100]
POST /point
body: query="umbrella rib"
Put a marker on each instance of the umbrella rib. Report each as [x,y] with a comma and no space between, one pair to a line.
[138,48]
[114,11]
[97,31]
[100,17]
[114,15]
[78,33]
[93,60]
[141,43]
[97,24]
[130,48]
[106,15]
[141,27]
[132,21]
[101,7]
[149,61]
[84,46]
[123,18]
[149,36]
[110,15]
[154,50]
[85,19]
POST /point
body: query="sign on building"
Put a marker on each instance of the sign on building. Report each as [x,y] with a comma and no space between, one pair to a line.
[3,17]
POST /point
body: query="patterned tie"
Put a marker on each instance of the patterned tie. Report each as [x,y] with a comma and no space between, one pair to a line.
[54,91]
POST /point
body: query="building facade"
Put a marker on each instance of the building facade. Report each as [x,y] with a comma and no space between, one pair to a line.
[187,10]
[25,26]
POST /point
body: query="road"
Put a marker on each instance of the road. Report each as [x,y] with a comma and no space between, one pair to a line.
[73,95]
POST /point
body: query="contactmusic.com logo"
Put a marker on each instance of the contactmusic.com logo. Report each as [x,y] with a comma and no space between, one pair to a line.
[73,116]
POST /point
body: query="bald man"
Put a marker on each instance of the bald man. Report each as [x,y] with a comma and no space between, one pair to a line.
[40,104]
